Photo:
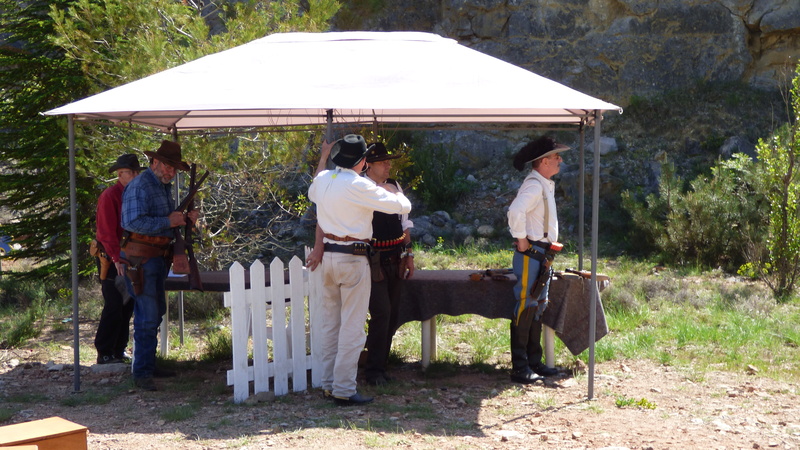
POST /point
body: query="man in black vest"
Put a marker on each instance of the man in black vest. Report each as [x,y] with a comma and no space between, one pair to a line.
[393,261]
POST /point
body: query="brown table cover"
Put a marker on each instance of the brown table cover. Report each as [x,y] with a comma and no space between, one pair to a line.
[214,281]
[451,292]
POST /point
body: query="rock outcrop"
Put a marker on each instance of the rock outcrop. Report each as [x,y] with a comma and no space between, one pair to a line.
[615,49]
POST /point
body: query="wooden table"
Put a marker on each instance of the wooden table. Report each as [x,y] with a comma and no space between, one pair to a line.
[452,292]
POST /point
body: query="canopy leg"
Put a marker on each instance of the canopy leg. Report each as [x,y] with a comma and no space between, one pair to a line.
[73,230]
[598,117]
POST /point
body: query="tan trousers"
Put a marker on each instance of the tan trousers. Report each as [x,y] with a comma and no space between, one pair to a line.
[345,301]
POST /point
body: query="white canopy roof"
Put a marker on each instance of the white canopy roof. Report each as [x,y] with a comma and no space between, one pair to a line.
[294,78]
[363,77]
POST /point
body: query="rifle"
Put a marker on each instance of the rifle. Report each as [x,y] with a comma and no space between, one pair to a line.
[183,259]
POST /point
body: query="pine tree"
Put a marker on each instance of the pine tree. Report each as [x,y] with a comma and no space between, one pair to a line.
[35,75]
[58,52]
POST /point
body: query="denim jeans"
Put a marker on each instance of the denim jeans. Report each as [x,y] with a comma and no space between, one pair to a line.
[150,307]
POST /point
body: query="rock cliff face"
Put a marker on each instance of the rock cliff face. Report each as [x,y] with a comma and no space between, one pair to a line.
[615,49]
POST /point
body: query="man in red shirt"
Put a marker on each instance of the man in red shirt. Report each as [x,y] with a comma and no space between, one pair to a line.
[112,335]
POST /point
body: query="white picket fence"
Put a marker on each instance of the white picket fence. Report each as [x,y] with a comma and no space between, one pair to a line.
[259,317]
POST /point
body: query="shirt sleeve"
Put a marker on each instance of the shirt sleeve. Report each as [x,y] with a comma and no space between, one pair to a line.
[108,224]
[136,215]
[526,200]
[312,189]
[379,199]
[405,222]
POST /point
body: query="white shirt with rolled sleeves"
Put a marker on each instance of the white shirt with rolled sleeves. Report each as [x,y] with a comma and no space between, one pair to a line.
[345,202]
[526,213]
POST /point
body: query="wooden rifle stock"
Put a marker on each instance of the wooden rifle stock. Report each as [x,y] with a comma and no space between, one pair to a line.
[180,262]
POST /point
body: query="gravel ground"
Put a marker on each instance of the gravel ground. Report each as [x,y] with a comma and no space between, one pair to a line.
[636,405]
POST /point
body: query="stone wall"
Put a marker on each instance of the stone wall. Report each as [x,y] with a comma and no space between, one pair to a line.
[615,49]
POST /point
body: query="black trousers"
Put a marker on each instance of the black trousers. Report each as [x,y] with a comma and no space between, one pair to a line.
[526,345]
[383,311]
[113,331]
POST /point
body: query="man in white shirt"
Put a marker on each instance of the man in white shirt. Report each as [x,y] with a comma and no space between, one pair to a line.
[345,205]
[533,223]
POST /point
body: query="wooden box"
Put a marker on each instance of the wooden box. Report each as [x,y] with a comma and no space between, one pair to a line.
[53,433]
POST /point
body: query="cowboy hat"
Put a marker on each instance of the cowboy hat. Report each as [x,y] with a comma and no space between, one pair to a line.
[349,151]
[377,152]
[169,153]
[126,161]
[538,149]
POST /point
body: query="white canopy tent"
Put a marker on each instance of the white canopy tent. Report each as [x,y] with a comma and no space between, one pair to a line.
[308,79]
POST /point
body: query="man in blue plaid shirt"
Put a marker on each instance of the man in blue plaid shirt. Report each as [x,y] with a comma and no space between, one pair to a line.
[148,213]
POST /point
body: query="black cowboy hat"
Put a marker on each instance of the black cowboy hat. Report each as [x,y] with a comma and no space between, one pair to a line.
[544,146]
[126,161]
[169,153]
[349,151]
[378,152]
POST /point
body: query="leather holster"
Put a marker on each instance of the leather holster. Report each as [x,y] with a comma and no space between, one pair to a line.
[134,271]
[105,264]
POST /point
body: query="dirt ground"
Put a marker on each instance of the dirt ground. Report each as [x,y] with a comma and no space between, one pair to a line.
[635,405]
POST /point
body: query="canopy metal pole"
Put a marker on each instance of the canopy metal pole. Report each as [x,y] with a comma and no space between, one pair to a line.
[181,298]
[73,230]
[329,126]
[581,194]
[164,329]
[598,117]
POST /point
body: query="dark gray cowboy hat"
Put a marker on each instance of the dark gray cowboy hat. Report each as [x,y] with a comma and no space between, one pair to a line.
[544,146]
[126,161]
[349,151]
[169,153]
[377,152]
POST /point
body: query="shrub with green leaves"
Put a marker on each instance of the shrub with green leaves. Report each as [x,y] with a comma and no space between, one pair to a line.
[710,224]
[439,186]
[642,403]
[778,264]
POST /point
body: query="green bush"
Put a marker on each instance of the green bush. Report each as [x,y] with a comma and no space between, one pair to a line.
[19,327]
[435,177]
[219,345]
[197,305]
[711,224]
[24,302]
[777,262]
